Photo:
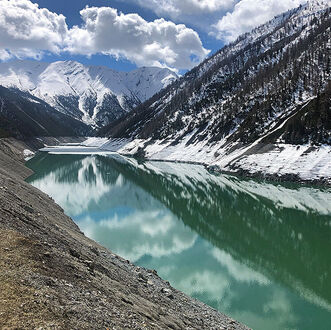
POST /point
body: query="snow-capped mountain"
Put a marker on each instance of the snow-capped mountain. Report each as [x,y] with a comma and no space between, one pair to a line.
[96,95]
[261,104]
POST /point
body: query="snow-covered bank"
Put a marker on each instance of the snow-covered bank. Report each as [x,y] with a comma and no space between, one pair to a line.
[307,163]
[303,162]
[28,154]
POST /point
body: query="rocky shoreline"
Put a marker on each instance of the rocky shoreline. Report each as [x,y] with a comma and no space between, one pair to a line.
[54,277]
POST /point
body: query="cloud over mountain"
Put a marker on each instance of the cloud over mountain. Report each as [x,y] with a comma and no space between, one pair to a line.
[175,8]
[248,14]
[29,31]
[223,19]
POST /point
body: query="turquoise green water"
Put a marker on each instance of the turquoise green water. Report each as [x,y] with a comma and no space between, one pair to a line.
[258,252]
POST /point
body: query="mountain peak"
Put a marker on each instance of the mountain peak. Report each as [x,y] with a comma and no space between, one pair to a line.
[94,94]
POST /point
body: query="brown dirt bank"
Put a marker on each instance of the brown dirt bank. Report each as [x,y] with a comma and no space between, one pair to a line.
[53,277]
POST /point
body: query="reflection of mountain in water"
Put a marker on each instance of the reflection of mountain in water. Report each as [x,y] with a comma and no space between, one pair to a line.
[283,232]
[107,206]
[79,183]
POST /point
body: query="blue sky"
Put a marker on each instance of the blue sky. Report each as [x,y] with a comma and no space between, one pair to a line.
[125,34]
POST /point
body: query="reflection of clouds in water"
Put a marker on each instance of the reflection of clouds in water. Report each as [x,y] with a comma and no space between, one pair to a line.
[136,224]
[238,271]
[218,284]
[154,233]
[215,284]
[277,313]
[273,308]
[158,227]
[242,273]
[278,304]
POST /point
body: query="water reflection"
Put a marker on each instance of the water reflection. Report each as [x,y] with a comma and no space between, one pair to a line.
[154,233]
[257,251]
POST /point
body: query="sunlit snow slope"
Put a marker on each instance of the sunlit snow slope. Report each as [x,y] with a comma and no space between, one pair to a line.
[96,95]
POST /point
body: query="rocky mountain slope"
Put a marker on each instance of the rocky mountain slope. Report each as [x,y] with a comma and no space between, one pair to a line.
[95,95]
[261,104]
[24,116]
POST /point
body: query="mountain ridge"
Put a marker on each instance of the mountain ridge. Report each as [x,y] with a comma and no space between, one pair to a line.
[24,116]
[95,95]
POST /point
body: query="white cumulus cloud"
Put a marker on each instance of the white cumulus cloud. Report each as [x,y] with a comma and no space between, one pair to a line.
[159,43]
[27,30]
[176,8]
[201,14]
[248,14]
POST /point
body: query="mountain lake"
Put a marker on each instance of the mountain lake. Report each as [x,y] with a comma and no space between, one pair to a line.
[259,252]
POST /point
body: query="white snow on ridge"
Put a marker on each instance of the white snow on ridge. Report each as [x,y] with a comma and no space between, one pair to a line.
[94,142]
[48,81]
[28,154]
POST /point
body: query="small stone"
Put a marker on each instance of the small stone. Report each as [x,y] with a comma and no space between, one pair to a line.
[168,293]
[95,250]
[74,253]
[165,290]
[141,277]
[28,208]
[127,301]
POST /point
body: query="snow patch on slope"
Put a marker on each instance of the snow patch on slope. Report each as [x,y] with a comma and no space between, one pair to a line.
[303,160]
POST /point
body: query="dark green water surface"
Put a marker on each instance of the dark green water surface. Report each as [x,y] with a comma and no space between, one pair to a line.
[256,251]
